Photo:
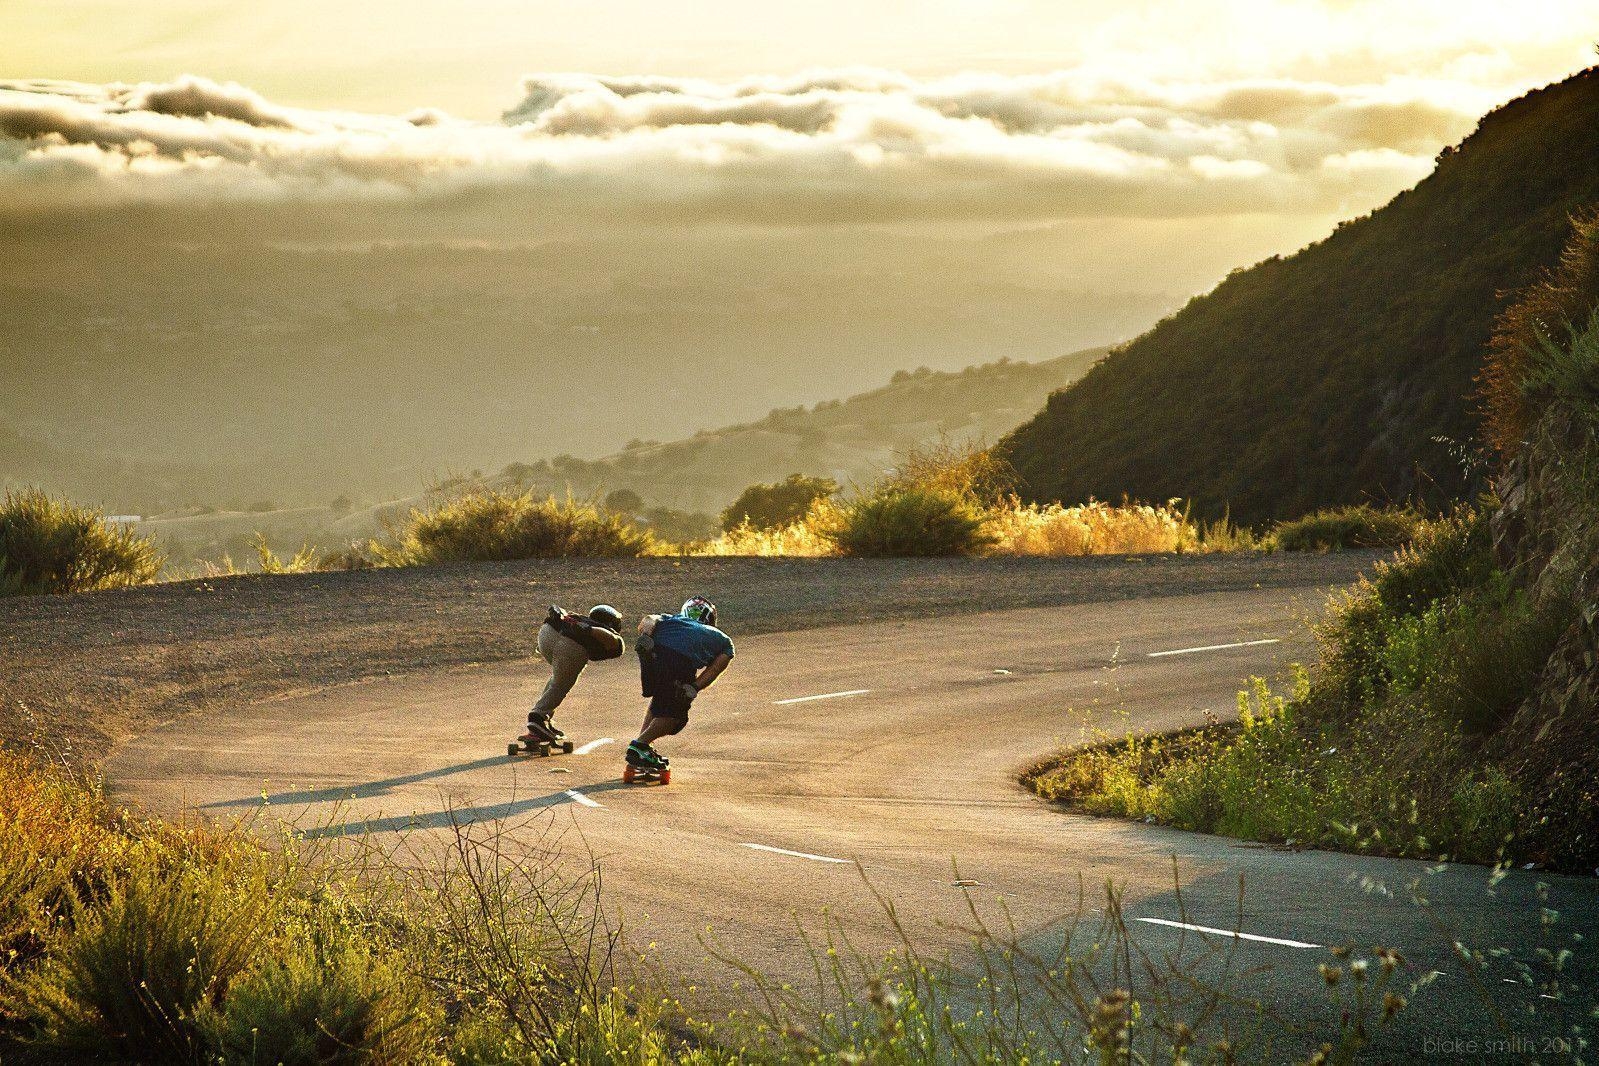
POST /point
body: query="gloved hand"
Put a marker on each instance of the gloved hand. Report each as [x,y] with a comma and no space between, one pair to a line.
[555,615]
[688,690]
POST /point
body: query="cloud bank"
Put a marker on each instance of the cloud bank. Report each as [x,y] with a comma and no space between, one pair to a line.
[857,145]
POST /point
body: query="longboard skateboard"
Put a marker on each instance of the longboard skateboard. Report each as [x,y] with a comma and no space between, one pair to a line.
[632,775]
[541,748]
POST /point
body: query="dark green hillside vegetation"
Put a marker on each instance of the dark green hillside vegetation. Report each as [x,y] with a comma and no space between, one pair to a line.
[1455,703]
[1329,377]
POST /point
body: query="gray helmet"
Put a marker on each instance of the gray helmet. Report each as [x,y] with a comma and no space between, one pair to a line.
[606,615]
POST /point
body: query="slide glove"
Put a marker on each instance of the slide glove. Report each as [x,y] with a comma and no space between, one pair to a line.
[688,690]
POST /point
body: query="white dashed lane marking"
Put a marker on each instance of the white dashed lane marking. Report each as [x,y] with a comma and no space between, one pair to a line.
[591,745]
[584,800]
[823,696]
[796,854]
[1213,647]
[1279,941]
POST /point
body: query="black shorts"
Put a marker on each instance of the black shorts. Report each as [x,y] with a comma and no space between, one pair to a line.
[662,675]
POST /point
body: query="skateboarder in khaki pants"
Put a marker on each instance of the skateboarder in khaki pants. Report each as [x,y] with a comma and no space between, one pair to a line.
[569,642]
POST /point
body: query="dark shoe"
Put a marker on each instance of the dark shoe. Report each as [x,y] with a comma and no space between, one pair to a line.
[545,729]
[644,757]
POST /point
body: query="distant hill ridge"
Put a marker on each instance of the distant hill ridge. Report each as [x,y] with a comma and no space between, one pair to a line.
[851,440]
[1344,372]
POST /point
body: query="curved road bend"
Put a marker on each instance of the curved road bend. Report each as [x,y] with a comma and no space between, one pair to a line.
[895,747]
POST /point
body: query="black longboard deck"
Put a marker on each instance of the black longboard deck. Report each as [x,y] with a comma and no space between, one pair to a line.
[542,748]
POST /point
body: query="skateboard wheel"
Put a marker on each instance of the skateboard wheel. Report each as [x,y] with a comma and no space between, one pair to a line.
[544,751]
[666,777]
[567,747]
[513,748]
[628,775]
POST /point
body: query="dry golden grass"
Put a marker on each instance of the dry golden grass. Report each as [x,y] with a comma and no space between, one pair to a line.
[1019,528]
[805,539]
[1093,528]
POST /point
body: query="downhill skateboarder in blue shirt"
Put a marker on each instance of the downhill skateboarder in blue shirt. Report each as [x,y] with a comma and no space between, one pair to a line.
[680,655]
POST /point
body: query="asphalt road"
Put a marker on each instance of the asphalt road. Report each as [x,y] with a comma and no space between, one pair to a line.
[891,752]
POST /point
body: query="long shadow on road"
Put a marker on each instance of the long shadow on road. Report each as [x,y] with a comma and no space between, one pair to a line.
[452,817]
[369,790]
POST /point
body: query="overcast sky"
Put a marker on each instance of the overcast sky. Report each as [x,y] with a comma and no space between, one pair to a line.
[531,114]
[466,56]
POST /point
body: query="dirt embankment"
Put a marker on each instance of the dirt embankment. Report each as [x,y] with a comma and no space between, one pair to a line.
[81,673]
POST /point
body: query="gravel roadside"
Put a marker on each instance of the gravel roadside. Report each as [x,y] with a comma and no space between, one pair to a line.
[79,674]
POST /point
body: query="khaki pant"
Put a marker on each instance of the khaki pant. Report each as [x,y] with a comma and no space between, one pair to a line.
[567,660]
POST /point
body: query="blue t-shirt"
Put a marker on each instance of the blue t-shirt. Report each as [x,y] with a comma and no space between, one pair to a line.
[697,642]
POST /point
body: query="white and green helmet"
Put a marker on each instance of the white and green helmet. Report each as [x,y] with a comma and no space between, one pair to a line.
[699,609]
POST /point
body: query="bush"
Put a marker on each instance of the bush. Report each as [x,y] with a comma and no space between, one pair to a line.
[1515,390]
[1450,558]
[1359,526]
[624,501]
[53,546]
[54,837]
[909,522]
[486,525]
[1381,747]
[136,977]
[1093,528]
[326,999]
[972,471]
[303,561]
[768,507]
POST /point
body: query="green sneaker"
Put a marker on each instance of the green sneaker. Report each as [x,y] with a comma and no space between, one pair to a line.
[644,756]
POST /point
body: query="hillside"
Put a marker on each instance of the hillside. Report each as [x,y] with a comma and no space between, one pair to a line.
[1344,372]
[850,440]
[296,374]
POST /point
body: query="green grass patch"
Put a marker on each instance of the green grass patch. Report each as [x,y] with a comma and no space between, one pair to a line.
[1382,746]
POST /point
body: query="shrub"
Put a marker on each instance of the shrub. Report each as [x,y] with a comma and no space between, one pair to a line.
[670,524]
[1449,558]
[802,539]
[1512,395]
[53,546]
[767,507]
[909,522]
[972,471]
[303,561]
[1092,528]
[624,501]
[487,525]
[325,999]
[1358,526]
[54,837]
[136,976]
